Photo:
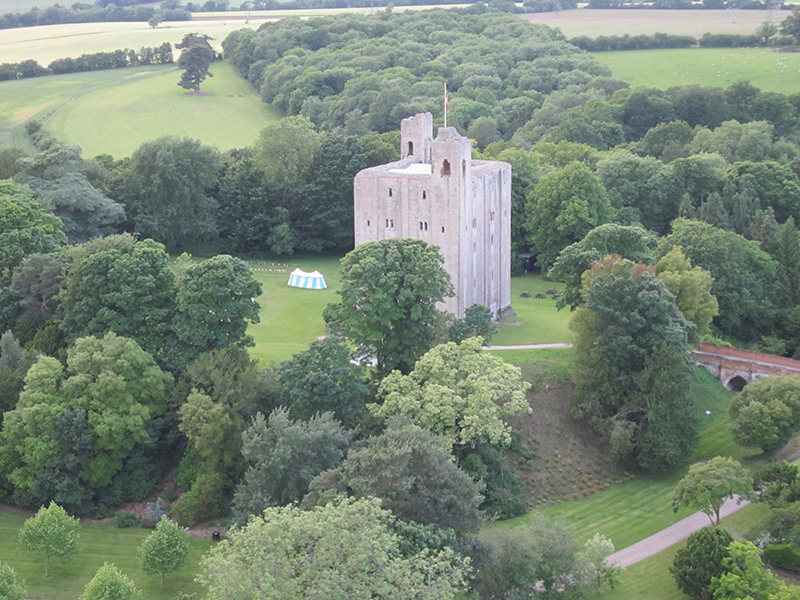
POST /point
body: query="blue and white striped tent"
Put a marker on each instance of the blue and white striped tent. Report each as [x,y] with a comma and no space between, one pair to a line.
[309,281]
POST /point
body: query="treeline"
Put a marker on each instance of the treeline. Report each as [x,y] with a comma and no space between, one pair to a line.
[680,4]
[87,13]
[606,43]
[117,59]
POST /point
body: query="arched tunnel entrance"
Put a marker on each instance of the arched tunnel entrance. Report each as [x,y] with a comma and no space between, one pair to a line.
[736,384]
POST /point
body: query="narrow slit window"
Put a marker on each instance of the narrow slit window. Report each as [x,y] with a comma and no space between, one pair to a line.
[390,192]
[411,148]
[426,226]
[424,195]
[367,222]
[420,225]
[387,222]
[442,228]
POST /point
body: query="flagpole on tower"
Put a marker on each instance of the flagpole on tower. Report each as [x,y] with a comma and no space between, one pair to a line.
[445,104]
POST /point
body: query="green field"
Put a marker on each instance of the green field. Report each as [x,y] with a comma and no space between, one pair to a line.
[719,67]
[291,318]
[117,119]
[594,23]
[99,543]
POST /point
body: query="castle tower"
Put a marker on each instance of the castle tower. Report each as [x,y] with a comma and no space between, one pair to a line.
[437,193]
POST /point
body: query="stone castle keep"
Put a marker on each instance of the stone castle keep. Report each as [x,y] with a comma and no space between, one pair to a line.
[437,193]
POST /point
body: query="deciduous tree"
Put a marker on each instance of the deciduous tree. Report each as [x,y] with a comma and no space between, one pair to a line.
[389,291]
[708,485]
[51,533]
[324,553]
[165,550]
[700,561]
[109,583]
[563,207]
[284,457]
[457,391]
[767,413]
[413,474]
[10,589]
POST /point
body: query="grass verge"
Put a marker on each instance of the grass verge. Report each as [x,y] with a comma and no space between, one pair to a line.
[99,543]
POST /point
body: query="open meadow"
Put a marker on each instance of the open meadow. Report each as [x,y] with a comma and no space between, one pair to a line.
[136,104]
[766,69]
[226,114]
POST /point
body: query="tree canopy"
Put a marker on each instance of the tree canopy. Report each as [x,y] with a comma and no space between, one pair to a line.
[389,291]
[165,550]
[708,485]
[50,533]
[457,391]
[195,59]
[289,554]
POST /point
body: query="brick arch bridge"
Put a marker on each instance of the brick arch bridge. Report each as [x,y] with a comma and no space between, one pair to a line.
[735,368]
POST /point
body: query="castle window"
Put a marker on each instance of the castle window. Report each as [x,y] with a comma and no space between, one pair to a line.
[492,240]
[420,225]
[424,195]
[446,168]
[426,226]
[391,222]
[390,192]
[491,217]
[442,228]
[411,148]
[387,222]
[464,169]
[367,222]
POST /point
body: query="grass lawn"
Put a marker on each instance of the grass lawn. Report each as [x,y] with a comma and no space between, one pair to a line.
[720,67]
[116,120]
[99,543]
[25,98]
[631,511]
[537,320]
[291,318]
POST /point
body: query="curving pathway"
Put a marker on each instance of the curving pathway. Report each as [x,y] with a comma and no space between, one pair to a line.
[669,536]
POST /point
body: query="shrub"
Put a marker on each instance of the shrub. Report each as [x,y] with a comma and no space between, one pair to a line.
[127,519]
[785,556]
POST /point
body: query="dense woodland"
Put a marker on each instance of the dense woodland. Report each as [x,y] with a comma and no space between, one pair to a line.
[669,215]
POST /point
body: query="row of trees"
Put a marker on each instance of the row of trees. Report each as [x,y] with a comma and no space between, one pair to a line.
[89,13]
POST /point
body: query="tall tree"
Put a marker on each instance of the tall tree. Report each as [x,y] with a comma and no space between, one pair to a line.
[195,59]
[745,277]
[708,485]
[459,392]
[631,341]
[389,291]
[51,533]
[413,474]
[323,379]
[562,208]
[324,553]
[284,458]
[216,301]
[166,190]
[165,550]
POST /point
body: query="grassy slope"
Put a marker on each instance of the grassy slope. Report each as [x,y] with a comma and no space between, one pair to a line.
[767,70]
[230,116]
[99,543]
[23,99]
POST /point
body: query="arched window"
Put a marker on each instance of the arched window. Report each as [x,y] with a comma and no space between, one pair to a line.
[411,148]
[446,168]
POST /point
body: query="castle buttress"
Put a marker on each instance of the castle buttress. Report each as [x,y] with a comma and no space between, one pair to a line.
[437,193]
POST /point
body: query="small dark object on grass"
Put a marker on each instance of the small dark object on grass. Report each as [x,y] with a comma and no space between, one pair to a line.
[551,291]
[540,295]
[525,295]
[216,536]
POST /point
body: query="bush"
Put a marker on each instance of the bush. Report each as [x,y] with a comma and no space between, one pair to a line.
[127,519]
[785,556]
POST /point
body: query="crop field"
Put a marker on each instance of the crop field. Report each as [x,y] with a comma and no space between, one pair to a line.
[227,114]
[99,543]
[767,70]
[593,23]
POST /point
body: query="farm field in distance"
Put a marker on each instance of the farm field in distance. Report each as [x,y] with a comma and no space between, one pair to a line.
[766,69]
[228,114]
[596,22]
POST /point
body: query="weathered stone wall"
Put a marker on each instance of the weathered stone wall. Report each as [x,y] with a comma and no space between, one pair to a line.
[438,194]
